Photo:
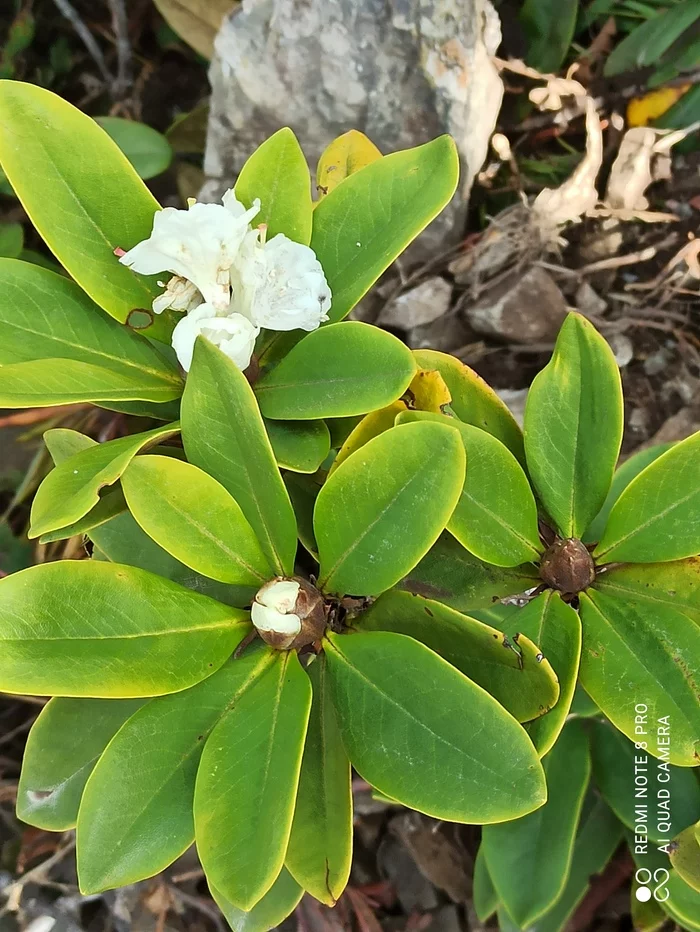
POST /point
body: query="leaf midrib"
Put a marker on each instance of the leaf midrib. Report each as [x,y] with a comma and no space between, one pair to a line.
[162,375]
[642,527]
[123,637]
[373,686]
[662,687]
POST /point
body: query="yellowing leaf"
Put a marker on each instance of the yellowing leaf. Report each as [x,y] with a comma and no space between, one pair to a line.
[429,391]
[195,21]
[345,155]
[641,111]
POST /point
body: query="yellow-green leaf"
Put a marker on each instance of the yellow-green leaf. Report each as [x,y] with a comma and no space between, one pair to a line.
[657,517]
[277,174]
[72,488]
[62,749]
[369,219]
[247,784]
[194,518]
[635,653]
[224,434]
[80,192]
[337,371]
[512,671]
[320,846]
[414,728]
[385,506]
[473,401]
[101,630]
[573,427]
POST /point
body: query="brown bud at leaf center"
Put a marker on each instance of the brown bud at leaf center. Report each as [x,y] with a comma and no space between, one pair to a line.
[567,566]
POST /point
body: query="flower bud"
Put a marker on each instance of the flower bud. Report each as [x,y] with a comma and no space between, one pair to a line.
[288,613]
[568,566]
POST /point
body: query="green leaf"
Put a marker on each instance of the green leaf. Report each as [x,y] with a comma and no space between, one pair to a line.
[683,903]
[303,492]
[657,517]
[109,506]
[337,371]
[45,382]
[320,845]
[634,654]
[685,856]
[279,901]
[369,219]
[556,627]
[11,240]
[675,585]
[62,749]
[194,518]
[648,916]
[340,428]
[71,489]
[598,836]
[473,401]
[84,199]
[529,859]
[62,443]
[343,157]
[582,705]
[628,471]
[187,134]
[614,773]
[300,446]
[452,575]
[381,511]
[512,671]
[549,26]
[371,425]
[101,630]
[247,784]
[413,727]
[496,515]
[136,814]
[650,40]
[147,149]
[223,433]
[121,540]
[573,427]
[278,175]
[484,893]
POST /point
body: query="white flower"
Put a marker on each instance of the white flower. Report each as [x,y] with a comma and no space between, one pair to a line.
[233,334]
[199,244]
[279,284]
[179,294]
[273,608]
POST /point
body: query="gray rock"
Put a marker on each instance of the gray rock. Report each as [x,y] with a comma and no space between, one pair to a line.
[401,71]
[421,305]
[522,308]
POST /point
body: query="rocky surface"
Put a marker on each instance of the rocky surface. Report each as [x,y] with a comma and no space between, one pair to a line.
[401,71]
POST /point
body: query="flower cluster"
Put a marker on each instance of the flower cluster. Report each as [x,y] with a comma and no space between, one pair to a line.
[228,279]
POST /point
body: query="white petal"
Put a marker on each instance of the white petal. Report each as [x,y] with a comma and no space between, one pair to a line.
[233,334]
[269,619]
[280,594]
[198,244]
[280,284]
[234,206]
